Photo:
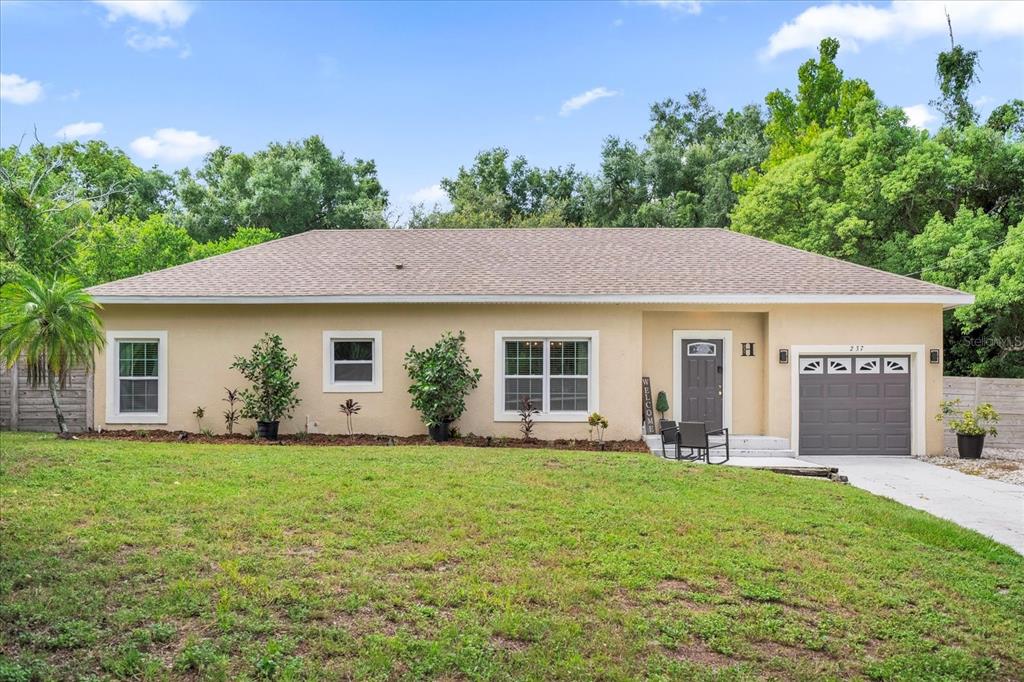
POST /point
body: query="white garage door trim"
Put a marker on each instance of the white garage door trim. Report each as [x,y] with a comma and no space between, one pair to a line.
[917,385]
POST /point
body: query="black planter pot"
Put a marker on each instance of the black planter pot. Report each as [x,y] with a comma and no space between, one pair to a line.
[970,447]
[439,433]
[267,430]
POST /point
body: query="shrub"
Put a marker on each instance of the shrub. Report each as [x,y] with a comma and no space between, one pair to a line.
[269,369]
[349,408]
[199,413]
[980,421]
[526,412]
[596,421]
[441,379]
[661,404]
[231,414]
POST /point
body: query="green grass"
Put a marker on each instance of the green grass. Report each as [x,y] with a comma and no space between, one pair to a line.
[150,561]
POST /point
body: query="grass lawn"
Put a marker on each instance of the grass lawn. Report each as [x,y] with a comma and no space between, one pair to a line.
[148,561]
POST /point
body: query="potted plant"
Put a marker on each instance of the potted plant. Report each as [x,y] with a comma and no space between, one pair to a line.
[272,394]
[661,405]
[441,378]
[970,426]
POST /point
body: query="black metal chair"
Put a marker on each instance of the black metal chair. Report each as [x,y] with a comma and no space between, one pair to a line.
[694,435]
[670,436]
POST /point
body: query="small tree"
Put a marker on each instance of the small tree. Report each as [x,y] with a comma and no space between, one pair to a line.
[661,404]
[441,378]
[349,408]
[55,326]
[269,368]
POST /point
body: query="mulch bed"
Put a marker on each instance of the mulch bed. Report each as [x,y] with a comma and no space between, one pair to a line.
[470,441]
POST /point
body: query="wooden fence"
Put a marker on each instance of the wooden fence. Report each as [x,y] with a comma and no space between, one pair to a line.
[1006,395]
[27,408]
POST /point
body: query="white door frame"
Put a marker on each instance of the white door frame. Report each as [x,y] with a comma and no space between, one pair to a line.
[723,335]
[917,385]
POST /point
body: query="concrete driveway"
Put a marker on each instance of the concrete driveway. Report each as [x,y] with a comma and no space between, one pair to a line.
[992,508]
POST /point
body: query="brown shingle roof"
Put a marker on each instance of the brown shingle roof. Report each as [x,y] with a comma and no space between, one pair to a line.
[650,264]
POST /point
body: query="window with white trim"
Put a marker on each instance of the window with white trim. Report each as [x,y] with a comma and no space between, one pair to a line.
[136,377]
[556,374]
[351,361]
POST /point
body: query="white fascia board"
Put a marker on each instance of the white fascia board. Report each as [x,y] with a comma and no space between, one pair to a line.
[947,300]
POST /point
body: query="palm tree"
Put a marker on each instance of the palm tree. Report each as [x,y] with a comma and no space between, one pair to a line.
[56,328]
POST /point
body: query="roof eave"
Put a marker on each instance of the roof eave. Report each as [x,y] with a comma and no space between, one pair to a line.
[947,300]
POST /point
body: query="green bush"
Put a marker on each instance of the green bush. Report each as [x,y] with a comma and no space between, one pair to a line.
[269,369]
[441,379]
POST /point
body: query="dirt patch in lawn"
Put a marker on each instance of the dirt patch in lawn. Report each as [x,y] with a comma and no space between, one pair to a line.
[469,441]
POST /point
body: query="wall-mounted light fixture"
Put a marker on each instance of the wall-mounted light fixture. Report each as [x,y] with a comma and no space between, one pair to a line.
[747,349]
[935,356]
[783,356]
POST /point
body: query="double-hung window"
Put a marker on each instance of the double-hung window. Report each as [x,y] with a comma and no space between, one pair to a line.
[352,361]
[557,373]
[137,377]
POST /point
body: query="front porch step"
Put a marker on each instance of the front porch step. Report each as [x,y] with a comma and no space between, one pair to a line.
[739,446]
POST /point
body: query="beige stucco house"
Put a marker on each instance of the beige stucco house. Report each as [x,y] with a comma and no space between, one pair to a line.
[761,338]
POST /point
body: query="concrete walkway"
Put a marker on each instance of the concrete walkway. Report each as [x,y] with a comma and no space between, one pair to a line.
[992,508]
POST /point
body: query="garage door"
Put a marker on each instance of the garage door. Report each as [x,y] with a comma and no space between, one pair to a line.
[855,405]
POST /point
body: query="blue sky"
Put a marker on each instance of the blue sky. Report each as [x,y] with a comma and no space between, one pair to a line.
[421,87]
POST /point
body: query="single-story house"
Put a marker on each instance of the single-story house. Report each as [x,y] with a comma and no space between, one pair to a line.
[762,338]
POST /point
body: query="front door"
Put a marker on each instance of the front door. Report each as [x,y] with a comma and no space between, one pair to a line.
[703,384]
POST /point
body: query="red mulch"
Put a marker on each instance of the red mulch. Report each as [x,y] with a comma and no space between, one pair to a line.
[471,441]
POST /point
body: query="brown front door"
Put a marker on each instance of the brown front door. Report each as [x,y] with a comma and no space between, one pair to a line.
[703,374]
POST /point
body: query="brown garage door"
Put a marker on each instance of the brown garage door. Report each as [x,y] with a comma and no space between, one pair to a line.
[854,405]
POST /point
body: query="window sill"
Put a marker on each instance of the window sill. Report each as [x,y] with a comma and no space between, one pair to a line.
[137,418]
[353,387]
[555,417]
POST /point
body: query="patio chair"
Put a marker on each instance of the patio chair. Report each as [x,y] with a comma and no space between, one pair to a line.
[694,435]
[670,436]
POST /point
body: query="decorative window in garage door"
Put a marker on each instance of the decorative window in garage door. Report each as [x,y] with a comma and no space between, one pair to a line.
[839,365]
[897,365]
[868,366]
[812,365]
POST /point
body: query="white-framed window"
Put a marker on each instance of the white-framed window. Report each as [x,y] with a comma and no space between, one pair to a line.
[352,362]
[897,365]
[557,371]
[839,365]
[136,377]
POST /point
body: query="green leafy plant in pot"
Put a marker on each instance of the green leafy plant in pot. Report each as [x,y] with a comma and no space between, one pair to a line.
[272,394]
[441,377]
[970,426]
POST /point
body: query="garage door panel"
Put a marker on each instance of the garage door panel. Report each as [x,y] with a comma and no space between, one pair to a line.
[853,408]
[869,441]
[868,416]
[897,391]
[838,390]
[868,390]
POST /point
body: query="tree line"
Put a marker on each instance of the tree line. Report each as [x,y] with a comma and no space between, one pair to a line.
[827,167]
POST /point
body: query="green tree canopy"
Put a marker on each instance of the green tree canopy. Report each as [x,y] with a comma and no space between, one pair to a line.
[288,188]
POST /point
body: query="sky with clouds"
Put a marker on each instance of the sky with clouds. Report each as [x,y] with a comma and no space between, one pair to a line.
[422,87]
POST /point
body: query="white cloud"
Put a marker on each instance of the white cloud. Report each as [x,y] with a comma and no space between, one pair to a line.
[431,195]
[162,13]
[856,23]
[144,42]
[919,115]
[18,90]
[70,96]
[170,144]
[74,131]
[681,6]
[579,101]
